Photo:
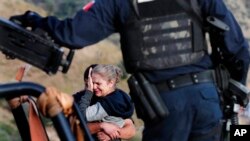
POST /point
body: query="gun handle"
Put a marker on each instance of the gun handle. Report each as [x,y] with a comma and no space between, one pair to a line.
[68,61]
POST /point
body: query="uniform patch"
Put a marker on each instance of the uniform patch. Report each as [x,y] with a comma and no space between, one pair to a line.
[142,1]
[88,6]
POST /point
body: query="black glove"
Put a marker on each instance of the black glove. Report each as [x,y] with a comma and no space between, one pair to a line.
[28,19]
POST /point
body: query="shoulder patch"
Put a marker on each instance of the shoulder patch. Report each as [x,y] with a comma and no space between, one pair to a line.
[88,6]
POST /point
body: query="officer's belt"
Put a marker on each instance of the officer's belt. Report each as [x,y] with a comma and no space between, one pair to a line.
[186,80]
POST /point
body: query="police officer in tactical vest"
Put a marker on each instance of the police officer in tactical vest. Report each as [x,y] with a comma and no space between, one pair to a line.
[173,81]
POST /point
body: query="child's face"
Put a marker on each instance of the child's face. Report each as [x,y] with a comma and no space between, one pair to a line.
[102,86]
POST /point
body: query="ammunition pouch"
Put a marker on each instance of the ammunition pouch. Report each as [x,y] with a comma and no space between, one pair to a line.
[148,103]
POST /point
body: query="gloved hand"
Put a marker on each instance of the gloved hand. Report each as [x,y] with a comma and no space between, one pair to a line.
[28,19]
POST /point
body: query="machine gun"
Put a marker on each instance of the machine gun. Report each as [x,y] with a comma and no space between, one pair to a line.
[235,97]
[34,47]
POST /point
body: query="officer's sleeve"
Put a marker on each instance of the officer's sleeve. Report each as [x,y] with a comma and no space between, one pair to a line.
[232,43]
[88,26]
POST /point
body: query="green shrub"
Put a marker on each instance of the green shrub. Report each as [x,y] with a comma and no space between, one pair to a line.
[8,133]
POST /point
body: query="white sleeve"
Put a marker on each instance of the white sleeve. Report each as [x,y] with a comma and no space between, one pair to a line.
[115,120]
[95,112]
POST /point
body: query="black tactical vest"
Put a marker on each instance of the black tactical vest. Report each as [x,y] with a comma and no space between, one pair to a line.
[159,34]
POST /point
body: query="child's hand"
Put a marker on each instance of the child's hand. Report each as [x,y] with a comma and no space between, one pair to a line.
[89,83]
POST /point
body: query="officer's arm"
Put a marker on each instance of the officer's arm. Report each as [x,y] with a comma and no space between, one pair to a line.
[88,26]
[232,44]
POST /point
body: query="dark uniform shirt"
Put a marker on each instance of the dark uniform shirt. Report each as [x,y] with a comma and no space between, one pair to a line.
[101,18]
